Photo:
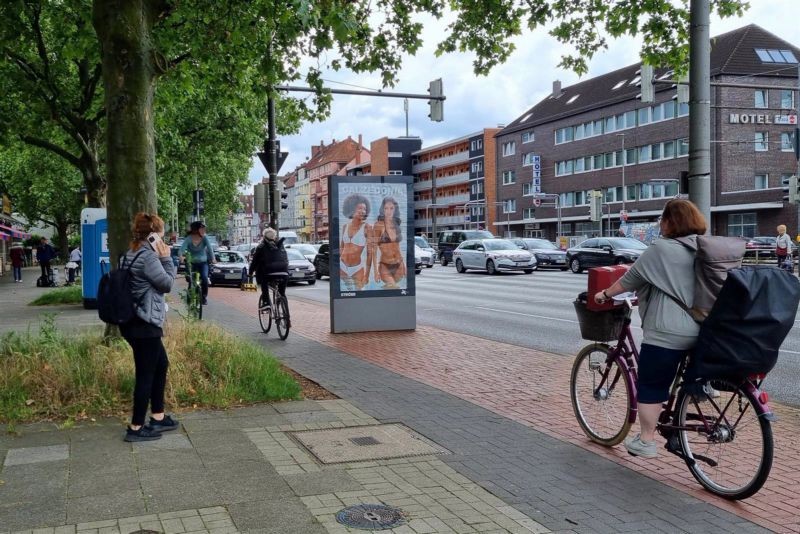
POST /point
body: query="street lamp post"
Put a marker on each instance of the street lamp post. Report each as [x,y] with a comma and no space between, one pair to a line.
[427,218]
[624,160]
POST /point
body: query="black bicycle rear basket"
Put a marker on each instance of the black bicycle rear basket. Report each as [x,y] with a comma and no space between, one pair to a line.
[599,325]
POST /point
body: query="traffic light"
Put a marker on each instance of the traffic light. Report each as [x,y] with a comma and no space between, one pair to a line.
[648,89]
[436,105]
[596,206]
[260,198]
[790,186]
[280,198]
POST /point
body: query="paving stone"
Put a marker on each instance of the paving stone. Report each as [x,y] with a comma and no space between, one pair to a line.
[274,517]
[33,455]
[168,441]
[329,481]
[97,508]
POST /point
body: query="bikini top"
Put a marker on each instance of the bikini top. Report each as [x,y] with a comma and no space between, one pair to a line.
[385,238]
[359,239]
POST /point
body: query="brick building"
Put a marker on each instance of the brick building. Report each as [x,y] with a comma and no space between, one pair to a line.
[598,135]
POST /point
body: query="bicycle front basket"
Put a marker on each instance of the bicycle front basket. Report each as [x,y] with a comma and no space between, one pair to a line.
[599,325]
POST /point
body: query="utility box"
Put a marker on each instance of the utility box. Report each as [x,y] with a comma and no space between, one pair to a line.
[96,260]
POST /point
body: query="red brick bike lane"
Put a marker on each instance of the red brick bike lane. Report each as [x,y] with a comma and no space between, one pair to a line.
[532,388]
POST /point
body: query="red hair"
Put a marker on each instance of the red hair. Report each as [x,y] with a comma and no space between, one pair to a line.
[145,224]
[681,218]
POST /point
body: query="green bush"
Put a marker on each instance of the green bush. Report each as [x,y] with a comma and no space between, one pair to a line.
[53,375]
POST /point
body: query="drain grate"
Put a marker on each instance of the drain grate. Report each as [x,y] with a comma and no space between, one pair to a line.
[365,440]
[371,517]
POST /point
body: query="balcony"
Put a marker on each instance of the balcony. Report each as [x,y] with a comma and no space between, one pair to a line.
[440,162]
[445,219]
[442,181]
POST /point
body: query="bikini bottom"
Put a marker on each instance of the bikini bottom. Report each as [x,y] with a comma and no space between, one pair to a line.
[350,270]
[392,268]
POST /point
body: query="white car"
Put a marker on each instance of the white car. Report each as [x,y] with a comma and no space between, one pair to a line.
[420,258]
[493,256]
[422,243]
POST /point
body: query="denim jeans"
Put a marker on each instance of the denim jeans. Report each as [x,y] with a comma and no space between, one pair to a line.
[202,268]
[17,273]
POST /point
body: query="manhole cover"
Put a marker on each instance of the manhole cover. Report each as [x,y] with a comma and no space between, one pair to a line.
[365,440]
[371,517]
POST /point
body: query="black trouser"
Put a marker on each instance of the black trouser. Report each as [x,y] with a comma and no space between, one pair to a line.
[45,266]
[151,361]
[280,280]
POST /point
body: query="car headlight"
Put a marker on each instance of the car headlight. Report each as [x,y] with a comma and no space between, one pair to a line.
[216,270]
[311,269]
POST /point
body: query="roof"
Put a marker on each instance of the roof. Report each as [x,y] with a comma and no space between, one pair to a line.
[732,53]
[338,151]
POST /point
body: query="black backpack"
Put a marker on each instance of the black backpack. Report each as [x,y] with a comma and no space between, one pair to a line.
[115,302]
[753,314]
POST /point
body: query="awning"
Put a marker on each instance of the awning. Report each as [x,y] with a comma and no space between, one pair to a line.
[16,234]
[4,236]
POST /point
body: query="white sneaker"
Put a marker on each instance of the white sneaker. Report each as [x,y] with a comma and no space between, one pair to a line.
[637,447]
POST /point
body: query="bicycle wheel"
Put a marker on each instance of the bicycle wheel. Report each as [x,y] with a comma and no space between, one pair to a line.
[264,315]
[727,446]
[281,316]
[600,395]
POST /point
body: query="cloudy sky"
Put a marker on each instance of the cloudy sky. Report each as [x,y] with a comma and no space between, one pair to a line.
[476,102]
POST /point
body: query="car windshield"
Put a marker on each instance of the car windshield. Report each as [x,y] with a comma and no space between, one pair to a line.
[228,257]
[540,243]
[479,234]
[626,242]
[421,242]
[304,248]
[499,244]
[294,254]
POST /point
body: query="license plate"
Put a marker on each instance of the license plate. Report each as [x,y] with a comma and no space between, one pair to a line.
[561,261]
[233,276]
[298,274]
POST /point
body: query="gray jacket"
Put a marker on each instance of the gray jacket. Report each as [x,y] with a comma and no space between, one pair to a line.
[666,267]
[152,277]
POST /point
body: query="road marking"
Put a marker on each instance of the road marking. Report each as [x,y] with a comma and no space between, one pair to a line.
[525,314]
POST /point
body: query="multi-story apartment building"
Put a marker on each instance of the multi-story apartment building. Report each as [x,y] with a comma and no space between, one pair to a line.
[453,185]
[326,161]
[598,135]
[241,222]
[302,205]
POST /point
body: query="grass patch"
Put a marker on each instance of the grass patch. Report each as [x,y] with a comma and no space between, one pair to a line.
[53,375]
[63,295]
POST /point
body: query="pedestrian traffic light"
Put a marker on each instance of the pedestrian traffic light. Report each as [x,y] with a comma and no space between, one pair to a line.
[596,206]
[648,89]
[436,105]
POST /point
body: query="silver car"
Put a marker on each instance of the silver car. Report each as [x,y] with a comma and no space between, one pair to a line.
[493,256]
[422,243]
[306,249]
[545,252]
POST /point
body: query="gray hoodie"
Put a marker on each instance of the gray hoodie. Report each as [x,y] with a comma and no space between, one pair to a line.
[666,267]
[152,277]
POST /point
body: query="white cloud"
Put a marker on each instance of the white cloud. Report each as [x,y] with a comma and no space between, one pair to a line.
[476,102]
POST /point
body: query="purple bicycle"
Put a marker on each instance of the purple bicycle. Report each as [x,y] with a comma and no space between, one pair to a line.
[721,429]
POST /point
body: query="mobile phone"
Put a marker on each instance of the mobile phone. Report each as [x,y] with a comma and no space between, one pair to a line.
[153,239]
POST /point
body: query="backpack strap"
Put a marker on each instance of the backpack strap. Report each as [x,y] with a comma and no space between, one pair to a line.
[121,263]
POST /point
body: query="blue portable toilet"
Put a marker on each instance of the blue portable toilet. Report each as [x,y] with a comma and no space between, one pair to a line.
[94,245]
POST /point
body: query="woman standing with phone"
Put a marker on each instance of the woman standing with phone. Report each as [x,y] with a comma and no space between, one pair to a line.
[202,254]
[152,275]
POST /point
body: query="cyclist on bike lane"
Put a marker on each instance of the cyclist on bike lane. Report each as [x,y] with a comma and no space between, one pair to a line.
[665,271]
[202,254]
[270,259]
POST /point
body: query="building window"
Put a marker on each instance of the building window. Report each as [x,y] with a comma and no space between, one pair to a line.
[477,166]
[529,213]
[527,137]
[771,55]
[761,98]
[683,147]
[527,159]
[395,154]
[395,173]
[509,177]
[683,109]
[527,189]
[742,225]
[630,156]
[787,99]
[509,148]
[762,181]
[644,116]
[669,149]
[761,141]
[787,142]
[567,200]
[477,144]
[564,135]
[613,194]
[597,164]
[510,206]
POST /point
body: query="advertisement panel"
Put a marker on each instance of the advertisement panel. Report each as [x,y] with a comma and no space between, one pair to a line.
[372,253]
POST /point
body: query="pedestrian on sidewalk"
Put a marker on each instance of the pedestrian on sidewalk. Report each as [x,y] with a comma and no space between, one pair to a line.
[17,254]
[76,256]
[152,275]
[270,259]
[199,247]
[662,276]
[45,254]
[783,245]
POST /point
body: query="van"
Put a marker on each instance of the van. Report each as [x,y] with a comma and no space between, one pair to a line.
[289,237]
[450,239]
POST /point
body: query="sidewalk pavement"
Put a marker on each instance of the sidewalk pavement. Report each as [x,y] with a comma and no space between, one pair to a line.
[493,466]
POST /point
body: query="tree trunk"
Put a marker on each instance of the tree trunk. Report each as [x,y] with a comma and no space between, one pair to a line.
[62,229]
[129,74]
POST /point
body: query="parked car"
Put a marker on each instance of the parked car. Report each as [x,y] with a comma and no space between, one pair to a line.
[322,261]
[421,258]
[212,240]
[764,247]
[230,268]
[602,251]
[547,254]
[306,249]
[300,269]
[422,243]
[493,256]
[450,239]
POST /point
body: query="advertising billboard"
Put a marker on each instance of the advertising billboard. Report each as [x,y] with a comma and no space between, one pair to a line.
[372,249]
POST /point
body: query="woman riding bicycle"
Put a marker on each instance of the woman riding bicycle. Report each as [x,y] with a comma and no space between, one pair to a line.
[202,254]
[662,274]
[269,259]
